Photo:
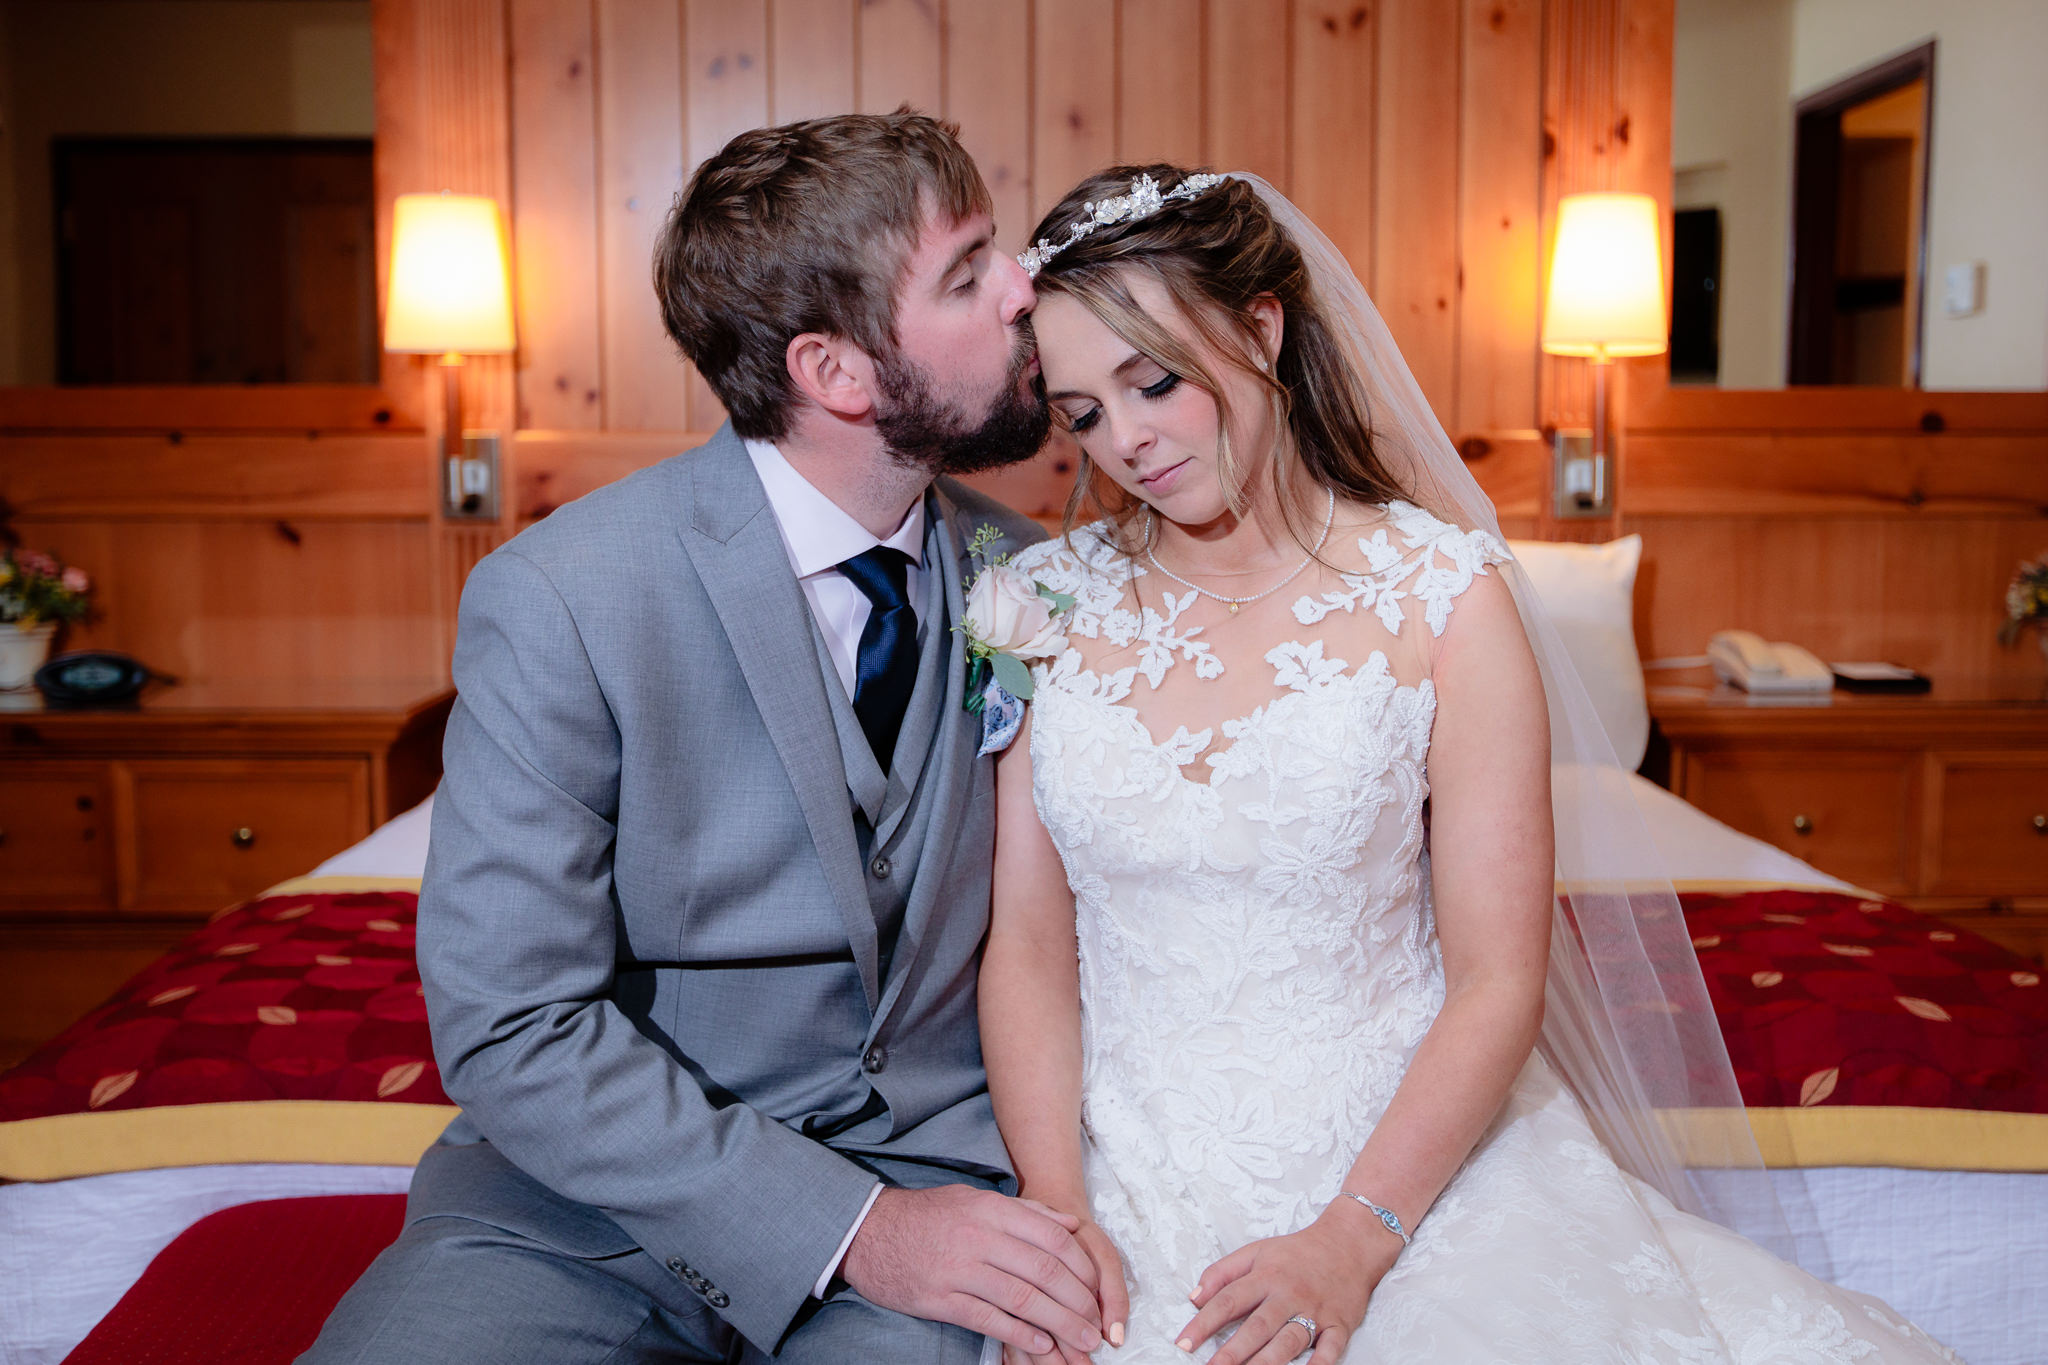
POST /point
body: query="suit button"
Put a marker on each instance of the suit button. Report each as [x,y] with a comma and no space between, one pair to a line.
[676,1266]
[717,1299]
[876,1058]
[880,867]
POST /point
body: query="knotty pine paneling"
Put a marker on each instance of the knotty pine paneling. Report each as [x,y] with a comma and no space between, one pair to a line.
[1430,139]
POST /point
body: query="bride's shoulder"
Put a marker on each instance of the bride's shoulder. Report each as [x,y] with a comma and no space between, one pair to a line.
[1399,557]
[1401,535]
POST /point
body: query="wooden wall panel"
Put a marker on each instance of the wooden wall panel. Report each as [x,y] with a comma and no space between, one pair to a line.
[1415,266]
[1245,106]
[1160,82]
[900,55]
[640,166]
[726,93]
[554,213]
[1925,592]
[987,91]
[811,59]
[1431,139]
[1500,141]
[292,600]
[1073,96]
[1331,175]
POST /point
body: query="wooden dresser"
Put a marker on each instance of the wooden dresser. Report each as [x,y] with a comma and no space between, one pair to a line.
[120,829]
[1939,800]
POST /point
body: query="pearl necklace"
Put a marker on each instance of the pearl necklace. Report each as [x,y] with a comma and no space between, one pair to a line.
[1329,520]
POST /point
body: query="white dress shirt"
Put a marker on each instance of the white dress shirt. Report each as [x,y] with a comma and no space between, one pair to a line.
[820,536]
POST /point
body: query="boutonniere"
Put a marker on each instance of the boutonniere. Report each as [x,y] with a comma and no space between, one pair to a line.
[1010,619]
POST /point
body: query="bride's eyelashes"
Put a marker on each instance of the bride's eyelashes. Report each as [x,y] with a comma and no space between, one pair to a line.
[1155,391]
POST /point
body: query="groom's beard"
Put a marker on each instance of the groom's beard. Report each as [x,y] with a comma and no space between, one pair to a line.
[922,431]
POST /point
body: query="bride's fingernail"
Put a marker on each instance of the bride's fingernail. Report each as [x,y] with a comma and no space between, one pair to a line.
[1195,1294]
[1116,1334]
[1186,1344]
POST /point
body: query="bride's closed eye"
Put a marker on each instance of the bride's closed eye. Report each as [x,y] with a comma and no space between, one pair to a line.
[1156,390]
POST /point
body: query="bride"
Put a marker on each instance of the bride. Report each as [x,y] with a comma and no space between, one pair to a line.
[1304,992]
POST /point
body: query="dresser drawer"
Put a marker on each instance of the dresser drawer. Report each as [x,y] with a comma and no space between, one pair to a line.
[1991,832]
[1849,814]
[209,832]
[55,849]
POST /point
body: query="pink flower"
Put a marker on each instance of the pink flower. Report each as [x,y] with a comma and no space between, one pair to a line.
[75,580]
[37,563]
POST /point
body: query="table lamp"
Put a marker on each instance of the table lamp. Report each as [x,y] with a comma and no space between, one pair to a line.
[1606,299]
[450,296]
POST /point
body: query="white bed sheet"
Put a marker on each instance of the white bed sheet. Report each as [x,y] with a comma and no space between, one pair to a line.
[1960,1252]
[70,1248]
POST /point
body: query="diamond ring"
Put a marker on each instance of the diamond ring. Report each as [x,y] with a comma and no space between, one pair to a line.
[1307,1322]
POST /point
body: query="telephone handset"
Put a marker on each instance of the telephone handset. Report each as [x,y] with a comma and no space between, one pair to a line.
[1755,665]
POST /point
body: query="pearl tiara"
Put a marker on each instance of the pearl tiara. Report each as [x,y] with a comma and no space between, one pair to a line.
[1144,200]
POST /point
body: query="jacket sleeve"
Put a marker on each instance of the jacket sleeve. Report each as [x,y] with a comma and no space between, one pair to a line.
[518,949]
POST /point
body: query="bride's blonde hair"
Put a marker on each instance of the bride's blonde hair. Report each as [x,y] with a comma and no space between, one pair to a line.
[1217,254]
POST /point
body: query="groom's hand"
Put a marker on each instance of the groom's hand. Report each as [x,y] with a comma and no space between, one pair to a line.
[1007,1268]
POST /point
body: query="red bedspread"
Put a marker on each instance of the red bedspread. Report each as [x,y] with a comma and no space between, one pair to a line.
[289,997]
[293,1028]
[1830,999]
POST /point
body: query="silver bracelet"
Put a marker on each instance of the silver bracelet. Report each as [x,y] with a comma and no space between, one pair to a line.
[1381,1212]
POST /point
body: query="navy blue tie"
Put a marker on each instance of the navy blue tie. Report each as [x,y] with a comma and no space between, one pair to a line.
[886,671]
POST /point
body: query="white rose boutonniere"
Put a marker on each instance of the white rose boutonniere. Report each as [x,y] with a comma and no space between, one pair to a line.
[1010,620]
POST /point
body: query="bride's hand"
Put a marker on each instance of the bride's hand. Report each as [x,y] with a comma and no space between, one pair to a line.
[1326,1272]
[1112,1293]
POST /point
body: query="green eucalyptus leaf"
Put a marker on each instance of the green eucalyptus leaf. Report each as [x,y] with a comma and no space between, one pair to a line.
[1013,676]
[1061,601]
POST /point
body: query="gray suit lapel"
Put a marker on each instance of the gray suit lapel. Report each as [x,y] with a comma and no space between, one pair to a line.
[732,538]
[949,766]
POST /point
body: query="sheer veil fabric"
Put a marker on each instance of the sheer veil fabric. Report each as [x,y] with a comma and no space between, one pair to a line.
[1628,1023]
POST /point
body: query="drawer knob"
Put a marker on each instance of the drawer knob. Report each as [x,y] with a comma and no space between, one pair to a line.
[2041,824]
[1801,825]
[243,837]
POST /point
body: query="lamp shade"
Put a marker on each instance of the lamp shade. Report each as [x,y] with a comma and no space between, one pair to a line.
[1606,278]
[449,289]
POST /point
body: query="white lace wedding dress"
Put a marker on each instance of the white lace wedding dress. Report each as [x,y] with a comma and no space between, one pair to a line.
[1259,961]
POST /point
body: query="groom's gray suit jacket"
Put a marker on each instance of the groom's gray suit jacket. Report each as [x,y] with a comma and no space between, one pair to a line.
[696,970]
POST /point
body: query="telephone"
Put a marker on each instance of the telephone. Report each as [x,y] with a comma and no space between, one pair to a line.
[1754,665]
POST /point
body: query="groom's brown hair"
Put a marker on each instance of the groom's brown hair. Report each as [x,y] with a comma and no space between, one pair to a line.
[802,228]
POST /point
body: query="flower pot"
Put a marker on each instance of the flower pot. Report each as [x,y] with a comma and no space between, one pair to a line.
[22,652]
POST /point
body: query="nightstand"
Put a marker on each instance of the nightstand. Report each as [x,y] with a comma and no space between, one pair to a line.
[122,828]
[1939,800]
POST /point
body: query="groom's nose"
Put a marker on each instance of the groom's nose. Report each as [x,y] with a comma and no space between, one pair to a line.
[1018,296]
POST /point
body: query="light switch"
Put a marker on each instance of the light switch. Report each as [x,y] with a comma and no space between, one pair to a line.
[473,479]
[1962,293]
[1579,482]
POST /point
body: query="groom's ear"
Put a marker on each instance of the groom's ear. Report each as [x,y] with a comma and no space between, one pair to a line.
[833,373]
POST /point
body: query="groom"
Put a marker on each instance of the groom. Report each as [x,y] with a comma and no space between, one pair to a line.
[710,861]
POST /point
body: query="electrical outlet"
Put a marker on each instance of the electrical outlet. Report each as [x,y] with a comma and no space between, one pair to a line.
[1580,483]
[471,492]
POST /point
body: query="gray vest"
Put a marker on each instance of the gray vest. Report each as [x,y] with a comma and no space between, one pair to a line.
[891,812]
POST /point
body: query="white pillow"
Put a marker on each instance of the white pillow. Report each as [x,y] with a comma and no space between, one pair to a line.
[1589,592]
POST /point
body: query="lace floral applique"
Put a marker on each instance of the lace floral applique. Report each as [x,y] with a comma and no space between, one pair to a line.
[1394,573]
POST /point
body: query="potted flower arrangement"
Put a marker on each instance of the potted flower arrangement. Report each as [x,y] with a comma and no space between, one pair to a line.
[2026,602]
[37,594]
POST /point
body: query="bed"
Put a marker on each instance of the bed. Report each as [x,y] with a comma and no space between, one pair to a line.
[73,1241]
[1908,1062]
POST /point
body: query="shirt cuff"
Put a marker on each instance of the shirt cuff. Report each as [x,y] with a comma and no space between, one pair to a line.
[845,1243]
